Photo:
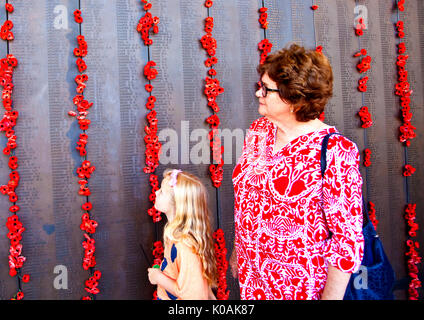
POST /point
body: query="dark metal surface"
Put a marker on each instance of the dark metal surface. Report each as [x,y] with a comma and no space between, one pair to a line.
[44,88]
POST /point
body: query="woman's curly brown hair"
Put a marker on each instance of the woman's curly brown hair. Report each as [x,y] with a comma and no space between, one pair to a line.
[304,79]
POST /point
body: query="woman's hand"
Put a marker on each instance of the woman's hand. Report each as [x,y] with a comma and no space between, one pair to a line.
[154,274]
[233,263]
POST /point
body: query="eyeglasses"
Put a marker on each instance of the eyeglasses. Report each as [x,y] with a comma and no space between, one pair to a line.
[265,89]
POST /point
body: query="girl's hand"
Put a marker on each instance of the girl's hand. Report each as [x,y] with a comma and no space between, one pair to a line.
[159,278]
[154,274]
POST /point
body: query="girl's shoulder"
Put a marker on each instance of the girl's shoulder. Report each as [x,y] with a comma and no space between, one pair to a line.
[179,248]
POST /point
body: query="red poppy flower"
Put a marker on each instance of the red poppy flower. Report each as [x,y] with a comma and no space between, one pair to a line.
[12,184]
[155,20]
[83,136]
[150,105]
[84,191]
[78,19]
[81,148]
[151,115]
[209,20]
[362,84]
[87,206]
[13,164]
[364,65]
[12,196]
[14,175]
[367,157]
[222,264]
[19,295]
[209,28]
[8,24]
[81,78]
[77,16]
[359,32]
[213,120]
[365,117]
[148,87]
[13,62]
[97,274]
[10,36]
[81,65]
[14,208]
[25,278]
[152,197]
[4,189]
[9,7]
[408,170]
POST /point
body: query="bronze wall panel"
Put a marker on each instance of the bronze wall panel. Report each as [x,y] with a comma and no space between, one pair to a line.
[44,88]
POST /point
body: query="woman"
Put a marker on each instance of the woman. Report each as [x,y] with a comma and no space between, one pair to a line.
[298,234]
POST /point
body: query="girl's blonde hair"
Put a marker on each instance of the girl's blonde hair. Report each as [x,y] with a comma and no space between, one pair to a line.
[191,224]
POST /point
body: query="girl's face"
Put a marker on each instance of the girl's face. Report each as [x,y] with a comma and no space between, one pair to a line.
[164,200]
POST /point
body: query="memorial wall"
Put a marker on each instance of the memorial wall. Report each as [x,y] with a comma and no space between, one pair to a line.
[50,208]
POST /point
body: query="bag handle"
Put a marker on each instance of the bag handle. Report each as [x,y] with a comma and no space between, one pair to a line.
[324,152]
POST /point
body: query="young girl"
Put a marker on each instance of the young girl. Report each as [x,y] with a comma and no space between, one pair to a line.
[188,270]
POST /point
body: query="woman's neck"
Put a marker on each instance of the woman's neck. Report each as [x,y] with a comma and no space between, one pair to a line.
[293,128]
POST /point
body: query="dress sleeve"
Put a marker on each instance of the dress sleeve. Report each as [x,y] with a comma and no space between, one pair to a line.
[342,204]
[190,283]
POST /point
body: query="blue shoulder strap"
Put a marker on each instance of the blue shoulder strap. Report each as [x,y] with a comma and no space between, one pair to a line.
[324,152]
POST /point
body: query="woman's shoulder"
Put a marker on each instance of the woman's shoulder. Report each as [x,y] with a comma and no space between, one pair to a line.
[340,142]
[344,149]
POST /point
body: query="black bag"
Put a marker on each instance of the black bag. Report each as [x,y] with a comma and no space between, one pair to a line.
[375,278]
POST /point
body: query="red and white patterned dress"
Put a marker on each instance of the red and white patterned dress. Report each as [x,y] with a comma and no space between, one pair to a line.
[284,241]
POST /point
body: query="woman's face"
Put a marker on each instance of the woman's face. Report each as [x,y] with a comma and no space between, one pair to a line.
[271,106]
[164,200]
